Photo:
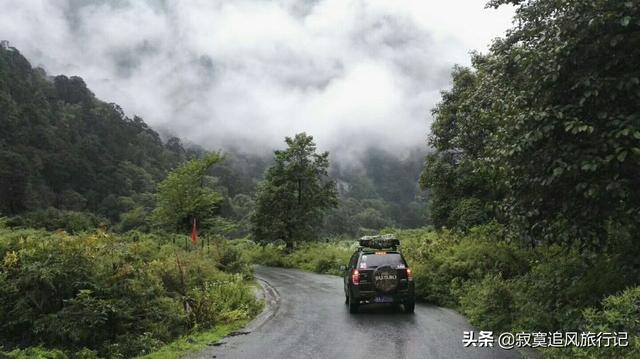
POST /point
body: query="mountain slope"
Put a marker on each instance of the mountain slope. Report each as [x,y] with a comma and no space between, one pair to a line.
[60,146]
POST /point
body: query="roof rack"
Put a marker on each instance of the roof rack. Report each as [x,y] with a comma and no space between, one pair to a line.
[384,241]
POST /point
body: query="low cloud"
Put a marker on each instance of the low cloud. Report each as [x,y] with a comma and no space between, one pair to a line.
[246,73]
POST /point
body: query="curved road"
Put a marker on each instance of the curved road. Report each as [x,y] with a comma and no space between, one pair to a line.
[306,318]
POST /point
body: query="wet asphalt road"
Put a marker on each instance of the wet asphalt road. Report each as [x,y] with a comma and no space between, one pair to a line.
[306,318]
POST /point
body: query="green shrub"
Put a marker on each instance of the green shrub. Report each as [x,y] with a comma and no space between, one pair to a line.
[270,255]
[321,257]
[53,219]
[489,304]
[137,218]
[443,262]
[230,258]
[37,353]
[469,212]
[115,296]
[618,313]
[502,285]
[222,302]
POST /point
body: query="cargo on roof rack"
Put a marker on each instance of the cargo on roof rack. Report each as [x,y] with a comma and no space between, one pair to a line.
[385,241]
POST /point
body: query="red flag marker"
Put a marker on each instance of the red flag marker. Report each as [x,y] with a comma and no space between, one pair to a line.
[194,233]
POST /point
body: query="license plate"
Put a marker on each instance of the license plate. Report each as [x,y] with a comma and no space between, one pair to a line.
[383,299]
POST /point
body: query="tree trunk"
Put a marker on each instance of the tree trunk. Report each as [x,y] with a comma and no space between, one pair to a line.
[289,240]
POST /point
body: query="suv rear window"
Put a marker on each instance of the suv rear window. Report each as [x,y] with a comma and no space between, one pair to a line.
[374,260]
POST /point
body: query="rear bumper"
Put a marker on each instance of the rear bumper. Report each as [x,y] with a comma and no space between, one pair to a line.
[398,296]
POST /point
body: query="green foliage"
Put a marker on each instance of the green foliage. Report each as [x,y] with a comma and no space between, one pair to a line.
[617,313]
[381,192]
[231,256]
[39,353]
[14,174]
[569,118]
[501,285]
[119,296]
[489,303]
[444,263]
[270,254]
[545,129]
[61,147]
[292,199]
[194,342]
[468,213]
[460,135]
[137,218]
[187,194]
[322,257]
[241,206]
[540,135]
[53,219]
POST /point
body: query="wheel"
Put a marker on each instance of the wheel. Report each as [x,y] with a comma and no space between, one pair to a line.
[353,305]
[410,306]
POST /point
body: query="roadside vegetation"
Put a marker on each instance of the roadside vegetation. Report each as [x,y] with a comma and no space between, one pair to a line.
[320,257]
[534,176]
[530,195]
[98,294]
[502,284]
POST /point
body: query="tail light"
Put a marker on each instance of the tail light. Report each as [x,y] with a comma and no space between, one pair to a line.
[355,277]
[409,275]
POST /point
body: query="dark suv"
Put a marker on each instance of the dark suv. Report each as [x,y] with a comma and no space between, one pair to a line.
[378,273]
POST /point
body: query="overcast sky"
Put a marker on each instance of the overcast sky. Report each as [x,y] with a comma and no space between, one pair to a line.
[246,73]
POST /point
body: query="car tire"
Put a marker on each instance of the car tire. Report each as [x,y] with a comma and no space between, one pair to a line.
[353,305]
[410,306]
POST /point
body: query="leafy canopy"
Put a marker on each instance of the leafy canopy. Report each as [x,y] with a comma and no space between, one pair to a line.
[547,124]
[187,193]
[292,199]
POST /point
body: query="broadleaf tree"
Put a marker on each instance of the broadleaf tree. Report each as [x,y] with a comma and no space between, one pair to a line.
[295,194]
[187,194]
[548,121]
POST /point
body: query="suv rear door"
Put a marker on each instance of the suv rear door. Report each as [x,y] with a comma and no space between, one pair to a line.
[370,261]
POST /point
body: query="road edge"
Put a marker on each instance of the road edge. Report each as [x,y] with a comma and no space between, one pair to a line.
[271,298]
[265,292]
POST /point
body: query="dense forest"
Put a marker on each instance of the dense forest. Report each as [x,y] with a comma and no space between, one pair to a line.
[523,215]
[71,161]
[62,148]
[543,132]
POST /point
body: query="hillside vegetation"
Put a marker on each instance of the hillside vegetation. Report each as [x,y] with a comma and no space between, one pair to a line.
[524,216]
[95,208]
[99,294]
